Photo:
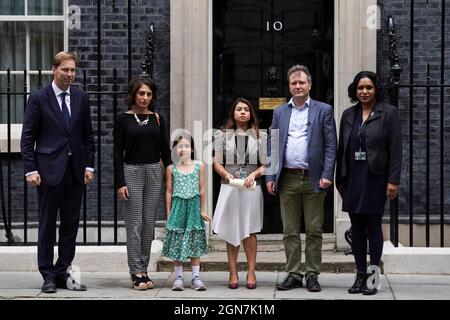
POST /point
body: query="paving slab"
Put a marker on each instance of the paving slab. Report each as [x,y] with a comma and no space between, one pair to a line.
[217,287]
[420,287]
[334,287]
[117,286]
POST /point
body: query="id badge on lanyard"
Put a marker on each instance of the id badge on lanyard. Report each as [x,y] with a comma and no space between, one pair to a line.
[360,155]
[241,173]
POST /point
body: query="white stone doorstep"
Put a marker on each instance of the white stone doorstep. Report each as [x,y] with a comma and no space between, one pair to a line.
[87,258]
[415,260]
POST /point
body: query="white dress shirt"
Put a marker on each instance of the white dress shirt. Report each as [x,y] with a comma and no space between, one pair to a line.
[58,92]
[296,156]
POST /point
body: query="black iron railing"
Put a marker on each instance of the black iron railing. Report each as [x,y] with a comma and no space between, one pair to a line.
[6,189]
[98,96]
[412,90]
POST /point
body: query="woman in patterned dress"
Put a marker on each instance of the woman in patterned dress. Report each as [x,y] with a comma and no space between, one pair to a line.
[185,206]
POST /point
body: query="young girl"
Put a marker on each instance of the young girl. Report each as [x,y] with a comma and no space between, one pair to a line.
[185,203]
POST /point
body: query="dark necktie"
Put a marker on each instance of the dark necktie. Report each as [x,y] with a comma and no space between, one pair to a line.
[65,109]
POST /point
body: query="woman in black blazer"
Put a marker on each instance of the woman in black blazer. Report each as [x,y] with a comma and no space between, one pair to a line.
[368,169]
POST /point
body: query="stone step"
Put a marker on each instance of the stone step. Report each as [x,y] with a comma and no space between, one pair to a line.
[265,261]
[271,243]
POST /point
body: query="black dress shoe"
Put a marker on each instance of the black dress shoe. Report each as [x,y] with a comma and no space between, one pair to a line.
[359,283]
[289,283]
[49,286]
[366,291]
[369,292]
[70,284]
[312,283]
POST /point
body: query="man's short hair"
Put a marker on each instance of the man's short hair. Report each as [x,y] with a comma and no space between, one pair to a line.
[63,55]
[296,68]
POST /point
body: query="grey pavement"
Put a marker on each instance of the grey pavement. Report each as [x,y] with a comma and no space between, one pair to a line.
[116,285]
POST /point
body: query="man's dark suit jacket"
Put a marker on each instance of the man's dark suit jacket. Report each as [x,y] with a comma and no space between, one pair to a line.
[46,141]
[383,142]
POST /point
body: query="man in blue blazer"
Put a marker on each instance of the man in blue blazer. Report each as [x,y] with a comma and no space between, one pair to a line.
[306,151]
[58,154]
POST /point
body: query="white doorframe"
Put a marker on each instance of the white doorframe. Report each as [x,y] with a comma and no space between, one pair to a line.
[191,70]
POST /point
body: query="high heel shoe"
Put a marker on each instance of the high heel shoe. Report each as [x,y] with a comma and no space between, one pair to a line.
[251,285]
[234,285]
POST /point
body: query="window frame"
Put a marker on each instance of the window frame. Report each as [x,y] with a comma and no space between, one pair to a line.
[16,128]
[36,18]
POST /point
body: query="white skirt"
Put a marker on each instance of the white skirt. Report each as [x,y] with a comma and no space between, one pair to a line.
[238,213]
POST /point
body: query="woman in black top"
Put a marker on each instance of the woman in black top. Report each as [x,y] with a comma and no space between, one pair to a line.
[368,169]
[139,146]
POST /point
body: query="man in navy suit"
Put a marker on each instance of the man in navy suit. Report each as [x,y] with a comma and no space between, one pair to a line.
[58,154]
[303,171]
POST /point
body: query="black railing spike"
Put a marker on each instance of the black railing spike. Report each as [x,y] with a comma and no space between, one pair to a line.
[395,68]
[6,212]
[130,40]
[25,184]
[99,124]
[147,63]
[394,83]
[39,79]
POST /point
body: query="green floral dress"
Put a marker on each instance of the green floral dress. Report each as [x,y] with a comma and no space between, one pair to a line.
[185,230]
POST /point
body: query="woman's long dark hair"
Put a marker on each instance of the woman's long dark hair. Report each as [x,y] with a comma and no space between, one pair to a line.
[253,123]
[354,85]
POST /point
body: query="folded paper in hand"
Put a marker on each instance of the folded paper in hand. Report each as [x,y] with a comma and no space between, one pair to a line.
[239,183]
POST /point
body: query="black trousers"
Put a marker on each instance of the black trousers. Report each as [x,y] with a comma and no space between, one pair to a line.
[366,227]
[65,198]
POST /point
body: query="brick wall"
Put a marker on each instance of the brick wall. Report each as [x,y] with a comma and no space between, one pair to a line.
[114,53]
[426,49]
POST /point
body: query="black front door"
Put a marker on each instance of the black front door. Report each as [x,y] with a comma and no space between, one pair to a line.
[255,43]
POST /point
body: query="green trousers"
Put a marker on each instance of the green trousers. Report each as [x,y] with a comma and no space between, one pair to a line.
[297,197]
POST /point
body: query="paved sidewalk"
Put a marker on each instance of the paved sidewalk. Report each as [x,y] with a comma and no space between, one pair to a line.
[116,285]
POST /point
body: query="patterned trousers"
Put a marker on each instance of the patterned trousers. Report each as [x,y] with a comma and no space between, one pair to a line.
[144,182]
